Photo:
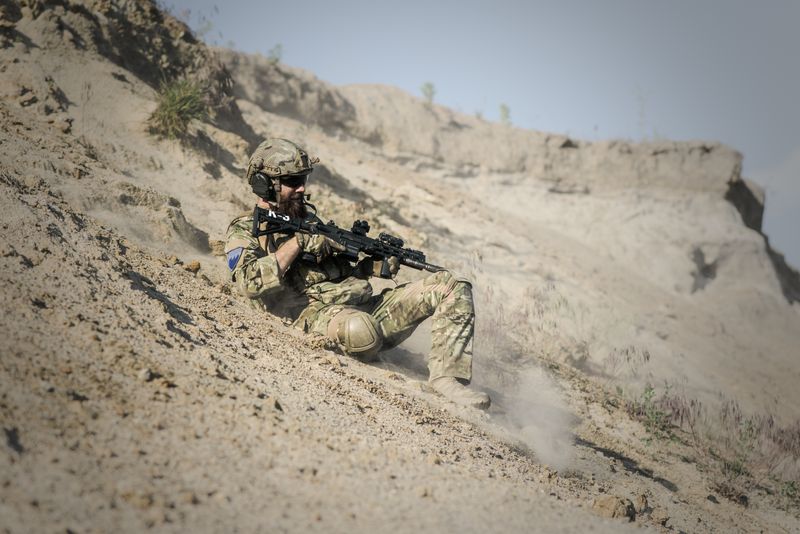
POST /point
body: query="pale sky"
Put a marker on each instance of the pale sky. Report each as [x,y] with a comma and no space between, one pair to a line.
[719,70]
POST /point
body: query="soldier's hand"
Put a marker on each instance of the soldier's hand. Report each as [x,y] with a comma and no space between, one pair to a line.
[372,267]
[394,266]
[319,246]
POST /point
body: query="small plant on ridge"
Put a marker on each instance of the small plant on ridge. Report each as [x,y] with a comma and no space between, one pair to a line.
[428,92]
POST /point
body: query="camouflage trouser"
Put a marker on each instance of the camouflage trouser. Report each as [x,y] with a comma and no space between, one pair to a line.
[398,311]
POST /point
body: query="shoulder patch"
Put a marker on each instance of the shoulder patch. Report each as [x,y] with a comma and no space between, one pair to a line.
[236,242]
[233,257]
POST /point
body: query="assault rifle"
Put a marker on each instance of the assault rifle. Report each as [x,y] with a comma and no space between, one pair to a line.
[354,240]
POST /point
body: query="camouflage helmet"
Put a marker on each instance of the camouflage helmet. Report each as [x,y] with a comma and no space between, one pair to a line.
[277,158]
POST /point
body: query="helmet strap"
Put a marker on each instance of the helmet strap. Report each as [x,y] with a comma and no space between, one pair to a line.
[276,188]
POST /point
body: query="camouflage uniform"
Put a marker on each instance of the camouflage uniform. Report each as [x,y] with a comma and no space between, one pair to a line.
[312,295]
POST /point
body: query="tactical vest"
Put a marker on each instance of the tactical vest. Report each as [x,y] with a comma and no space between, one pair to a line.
[329,282]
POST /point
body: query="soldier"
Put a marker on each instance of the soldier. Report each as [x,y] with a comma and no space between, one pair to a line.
[330,296]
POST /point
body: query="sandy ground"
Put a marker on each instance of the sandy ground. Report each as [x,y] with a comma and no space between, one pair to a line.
[138,392]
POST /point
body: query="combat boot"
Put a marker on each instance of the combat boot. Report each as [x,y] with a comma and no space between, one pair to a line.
[453,390]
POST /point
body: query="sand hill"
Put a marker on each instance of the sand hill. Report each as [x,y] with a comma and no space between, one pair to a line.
[636,330]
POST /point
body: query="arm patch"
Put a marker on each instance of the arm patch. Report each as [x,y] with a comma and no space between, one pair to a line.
[233,257]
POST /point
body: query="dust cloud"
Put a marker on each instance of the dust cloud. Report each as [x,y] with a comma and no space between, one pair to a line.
[526,401]
[536,413]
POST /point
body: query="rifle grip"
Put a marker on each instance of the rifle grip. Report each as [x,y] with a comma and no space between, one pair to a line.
[386,272]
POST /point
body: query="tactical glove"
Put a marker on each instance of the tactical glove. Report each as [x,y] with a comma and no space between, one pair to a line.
[372,267]
[319,246]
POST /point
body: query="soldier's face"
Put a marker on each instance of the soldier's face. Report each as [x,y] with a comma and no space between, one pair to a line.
[293,190]
[291,196]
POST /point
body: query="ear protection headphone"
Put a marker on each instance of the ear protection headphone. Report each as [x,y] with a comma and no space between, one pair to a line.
[263,187]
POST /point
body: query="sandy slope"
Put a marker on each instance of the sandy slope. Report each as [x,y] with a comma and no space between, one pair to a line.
[137,393]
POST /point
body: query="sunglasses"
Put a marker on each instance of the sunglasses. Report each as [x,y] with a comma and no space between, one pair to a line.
[294,181]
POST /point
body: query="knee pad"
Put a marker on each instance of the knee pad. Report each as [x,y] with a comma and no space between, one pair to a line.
[359,335]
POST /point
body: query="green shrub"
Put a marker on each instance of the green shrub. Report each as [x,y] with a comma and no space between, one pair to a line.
[648,409]
[428,92]
[179,102]
[505,114]
[275,54]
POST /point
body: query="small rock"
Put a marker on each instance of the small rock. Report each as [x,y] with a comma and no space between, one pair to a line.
[641,503]
[660,517]
[217,247]
[139,500]
[76,396]
[12,440]
[79,172]
[145,375]
[27,99]
[192,266]
[173,260]
[224,288]
[424,492]
[188,497]
[434,460]
[614,507]
[65,125]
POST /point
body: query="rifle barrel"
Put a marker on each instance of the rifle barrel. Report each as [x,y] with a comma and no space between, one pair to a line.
[421,265]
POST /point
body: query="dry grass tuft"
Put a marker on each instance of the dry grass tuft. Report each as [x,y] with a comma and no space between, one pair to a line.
[179,102]
[746,452]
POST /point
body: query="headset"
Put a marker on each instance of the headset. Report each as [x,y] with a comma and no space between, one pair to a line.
[263,187]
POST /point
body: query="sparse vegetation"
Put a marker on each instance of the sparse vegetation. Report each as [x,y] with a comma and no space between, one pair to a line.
[179,102]
[744,451]
[790,492]
[625,362]
[204,28]
[505,114]
[201,24]
[428,92]
[656,420]
[749,449]
[275,53]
